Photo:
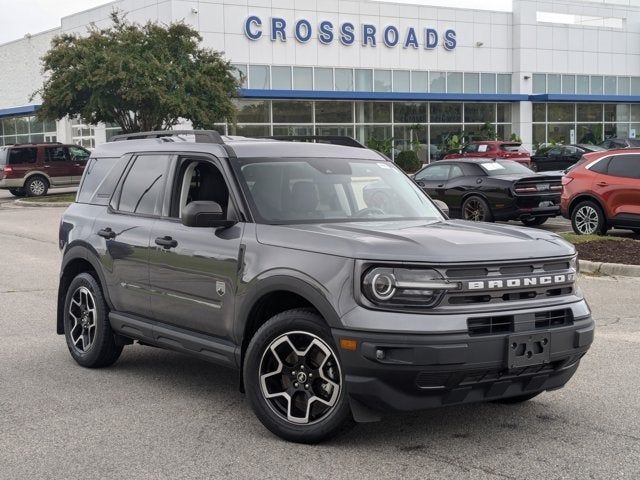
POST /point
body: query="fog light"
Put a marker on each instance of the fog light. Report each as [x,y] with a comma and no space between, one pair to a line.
[380,354]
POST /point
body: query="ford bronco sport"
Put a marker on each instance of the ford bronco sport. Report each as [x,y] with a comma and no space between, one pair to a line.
[264,256]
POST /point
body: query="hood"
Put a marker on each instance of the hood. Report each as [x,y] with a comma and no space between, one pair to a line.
[449,241]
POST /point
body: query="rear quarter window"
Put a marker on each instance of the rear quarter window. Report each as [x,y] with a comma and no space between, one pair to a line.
[99,180]
[22,155]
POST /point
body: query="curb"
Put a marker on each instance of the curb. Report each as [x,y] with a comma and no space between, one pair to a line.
[24,203]
[610,269]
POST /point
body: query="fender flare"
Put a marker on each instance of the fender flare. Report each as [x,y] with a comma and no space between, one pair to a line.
[39,173]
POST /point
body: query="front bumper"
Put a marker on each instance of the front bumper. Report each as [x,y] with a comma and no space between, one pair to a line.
[403,372]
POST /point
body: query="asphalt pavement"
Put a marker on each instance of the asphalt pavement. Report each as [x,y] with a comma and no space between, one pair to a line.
[156,414]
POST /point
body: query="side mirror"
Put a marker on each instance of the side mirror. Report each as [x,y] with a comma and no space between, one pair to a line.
[205,214]
[444,208]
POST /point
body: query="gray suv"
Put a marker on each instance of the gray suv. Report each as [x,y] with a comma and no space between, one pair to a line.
[279,259]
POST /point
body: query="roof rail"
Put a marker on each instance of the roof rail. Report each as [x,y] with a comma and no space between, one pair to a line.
[343,140]
[202,136]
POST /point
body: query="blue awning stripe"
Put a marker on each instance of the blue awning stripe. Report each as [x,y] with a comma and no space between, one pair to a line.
[17,111]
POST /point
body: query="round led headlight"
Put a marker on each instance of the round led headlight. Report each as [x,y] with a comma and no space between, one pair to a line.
[383,286]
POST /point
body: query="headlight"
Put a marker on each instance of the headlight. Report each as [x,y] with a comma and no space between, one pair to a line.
[405,287]
[574,263]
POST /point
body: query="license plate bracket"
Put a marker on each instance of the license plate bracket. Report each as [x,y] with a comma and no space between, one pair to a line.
[528,349]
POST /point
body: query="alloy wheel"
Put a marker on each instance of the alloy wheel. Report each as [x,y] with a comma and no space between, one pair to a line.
[474,210]
[83,314]
[300,378]
[587,220]
[37,187]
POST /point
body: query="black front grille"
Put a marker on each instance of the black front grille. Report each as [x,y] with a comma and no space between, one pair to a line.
[554,318]
[490,325]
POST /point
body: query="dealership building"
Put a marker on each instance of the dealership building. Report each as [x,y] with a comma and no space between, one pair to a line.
[547,71]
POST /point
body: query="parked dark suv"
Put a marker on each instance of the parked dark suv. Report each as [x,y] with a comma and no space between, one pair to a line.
[264,256]
[31,169]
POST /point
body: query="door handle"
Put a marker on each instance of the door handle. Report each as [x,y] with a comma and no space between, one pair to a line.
[166,242]
[107,233]
[602,184]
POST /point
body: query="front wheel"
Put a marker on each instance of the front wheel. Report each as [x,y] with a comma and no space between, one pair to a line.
[587,218]
[534,221]
[294,379]
[477,210]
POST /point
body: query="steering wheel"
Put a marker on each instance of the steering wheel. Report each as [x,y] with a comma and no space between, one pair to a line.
[369,211]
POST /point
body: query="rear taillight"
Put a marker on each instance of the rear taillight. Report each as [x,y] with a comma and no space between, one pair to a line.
[7,170]
[526,190]
[566,180]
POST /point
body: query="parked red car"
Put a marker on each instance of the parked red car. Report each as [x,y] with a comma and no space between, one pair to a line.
[603,191]
[495,149]
[31,169]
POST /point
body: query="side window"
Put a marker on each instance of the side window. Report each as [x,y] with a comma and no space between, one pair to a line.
[570,150]
[456,171]
[56,154]
[601,166]
[471,148]
[19,156]
[554,152]
[625,166]
[78,154]
[435,172]
[199,180]
[143,186]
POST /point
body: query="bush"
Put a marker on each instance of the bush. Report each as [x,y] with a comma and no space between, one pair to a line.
[408,161]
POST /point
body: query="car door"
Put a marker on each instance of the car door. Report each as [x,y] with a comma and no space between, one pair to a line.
[58,165]
[570,155]
[619,187]
[79,157]
[432,179]
[193,270]
[124,231]
[551,161]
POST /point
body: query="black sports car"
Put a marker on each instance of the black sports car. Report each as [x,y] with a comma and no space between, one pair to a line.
[487,190]
[560,157]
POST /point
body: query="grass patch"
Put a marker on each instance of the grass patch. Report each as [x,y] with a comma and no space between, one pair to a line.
[57,198]
[577,239]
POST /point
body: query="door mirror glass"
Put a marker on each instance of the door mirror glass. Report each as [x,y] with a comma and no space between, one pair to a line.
[205,213]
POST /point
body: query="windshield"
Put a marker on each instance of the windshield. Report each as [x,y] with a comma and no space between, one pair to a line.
[506,167]
[331,190]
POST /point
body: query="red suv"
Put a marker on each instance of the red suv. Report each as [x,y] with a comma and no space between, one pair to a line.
[603,191]
[494,149]
[31,169]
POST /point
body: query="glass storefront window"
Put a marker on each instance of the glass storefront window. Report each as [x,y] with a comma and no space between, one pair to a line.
[240,73]
[364,80]
[292,130]
[419,82]
[471,83]
[411,137]
[554,83]
[373,112]
[252,111]
[344,80]
[503,131]
[401,81]
[382,80]
[568,84]
[292,112]
[610,85]
[35,126]
[442,135]
[504,83]
[410,112]
[616,112]
[539,112]
[635,85]
[624,85]
[250,130]
[454,82]
[504,112]
[323,79]
[561,112]
[334,112]
[539,135]
[365,133]
[589,112]
[437,82]
[445,112]
[559,132]
[539,83]
[596,85]
[281,78]
[259,77]
[9,126]
[589,133]
[479,112]
[635,113]
[22,125]
[303,78]
[582,85]
[342,130]
[488,83]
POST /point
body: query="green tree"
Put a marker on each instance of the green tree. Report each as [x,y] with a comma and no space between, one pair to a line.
[140,77]
[408,161]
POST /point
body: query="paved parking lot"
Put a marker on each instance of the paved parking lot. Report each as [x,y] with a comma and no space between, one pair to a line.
[157,414]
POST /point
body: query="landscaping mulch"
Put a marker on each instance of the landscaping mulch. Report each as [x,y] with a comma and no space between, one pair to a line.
[610,251]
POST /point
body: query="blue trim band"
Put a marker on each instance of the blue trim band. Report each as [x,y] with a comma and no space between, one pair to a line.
[392,96]
[16,111]
[556,97]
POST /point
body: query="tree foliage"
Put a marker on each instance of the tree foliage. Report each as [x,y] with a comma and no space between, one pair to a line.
[408,161]
[141,77]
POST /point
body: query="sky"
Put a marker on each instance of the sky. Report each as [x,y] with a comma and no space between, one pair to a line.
[19,17]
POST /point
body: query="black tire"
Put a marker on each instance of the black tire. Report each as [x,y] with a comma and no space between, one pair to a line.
[17,192]
[102,349]
[36,186]
[517,399]
[587,218]
[476,209]
[298,327]
[534,221]
[636,231]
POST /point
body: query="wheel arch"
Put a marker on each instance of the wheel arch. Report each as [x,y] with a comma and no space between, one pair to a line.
[587,197]
[37,173]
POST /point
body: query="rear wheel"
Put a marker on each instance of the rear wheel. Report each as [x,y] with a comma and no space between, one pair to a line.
[17,192]
[476,209]
[534,221]
[294,380]
[36,186]
[587,218]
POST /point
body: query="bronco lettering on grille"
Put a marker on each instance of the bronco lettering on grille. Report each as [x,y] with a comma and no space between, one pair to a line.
[521,282]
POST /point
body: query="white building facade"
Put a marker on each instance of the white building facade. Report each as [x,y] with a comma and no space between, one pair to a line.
[547,71]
